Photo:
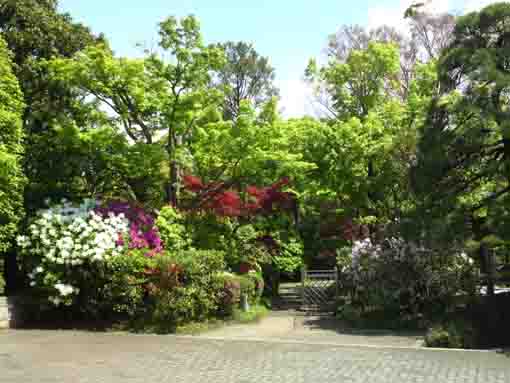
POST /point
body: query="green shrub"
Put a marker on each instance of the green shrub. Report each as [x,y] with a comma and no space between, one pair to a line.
[456,334]
[441,337]
[185,287]
[290,259]
[200,266]
[244,248]
[181,305]
[230,294]
[257,287]
[172,230]
[210,232]
[124,289]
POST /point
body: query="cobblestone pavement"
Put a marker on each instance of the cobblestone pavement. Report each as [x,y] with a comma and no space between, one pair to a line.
[78,357]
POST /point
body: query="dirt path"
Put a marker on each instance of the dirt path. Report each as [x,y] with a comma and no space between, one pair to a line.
[285,326]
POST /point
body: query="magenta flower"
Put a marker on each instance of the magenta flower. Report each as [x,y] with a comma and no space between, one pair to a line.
[143,234]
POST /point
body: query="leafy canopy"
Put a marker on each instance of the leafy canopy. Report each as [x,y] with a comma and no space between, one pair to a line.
[12,180]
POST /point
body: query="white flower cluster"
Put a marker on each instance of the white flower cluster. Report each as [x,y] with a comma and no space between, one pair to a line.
[66,236]
[466,259]
[65,291]
[363,248]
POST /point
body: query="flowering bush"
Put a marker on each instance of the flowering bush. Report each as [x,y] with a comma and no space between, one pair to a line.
[143,233]
[66,239]
[402,279]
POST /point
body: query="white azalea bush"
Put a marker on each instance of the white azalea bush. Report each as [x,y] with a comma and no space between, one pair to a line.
[69,244]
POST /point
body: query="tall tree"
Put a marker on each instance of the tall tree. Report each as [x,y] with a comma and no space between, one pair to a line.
[360,83]
[428,34]
[464,156]
[35,31]
[188,78]
[11,136]
[246,76]
[12,180]
[431,33]
[256,149]
[134,95]
[153,99]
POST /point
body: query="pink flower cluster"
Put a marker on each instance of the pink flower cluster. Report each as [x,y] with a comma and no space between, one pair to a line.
[143,233]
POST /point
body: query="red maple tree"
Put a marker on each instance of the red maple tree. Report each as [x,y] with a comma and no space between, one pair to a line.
[219,198]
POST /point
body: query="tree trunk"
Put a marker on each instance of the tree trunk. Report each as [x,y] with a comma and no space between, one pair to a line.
[11,272]
[173,187]
[489,262]
[372,197]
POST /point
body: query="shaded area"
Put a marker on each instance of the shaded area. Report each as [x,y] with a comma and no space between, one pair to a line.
[289,298]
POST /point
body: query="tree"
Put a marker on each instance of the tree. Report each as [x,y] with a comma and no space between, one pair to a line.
[349,38]
[431,33]
[12,180]
[254,149]
[99,162]
[187,79]
[362,82]
[246,76]
[152,99]
[464,153]
[35,31]
[130,89]
[428,35]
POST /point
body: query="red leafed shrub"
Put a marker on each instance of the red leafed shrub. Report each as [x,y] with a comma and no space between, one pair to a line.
[244,268]
[193,184]
[224,202]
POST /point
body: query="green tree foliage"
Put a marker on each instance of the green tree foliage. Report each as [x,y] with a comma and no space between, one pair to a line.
[187,78]
[35,31]
[358,151]
[255,149]
[246,76]
[12,180]
[464,153]
[428,35]
[98,162]
[133,94]
[357,85]
[152,96]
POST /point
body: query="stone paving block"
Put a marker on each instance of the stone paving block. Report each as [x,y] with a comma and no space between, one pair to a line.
[76,357]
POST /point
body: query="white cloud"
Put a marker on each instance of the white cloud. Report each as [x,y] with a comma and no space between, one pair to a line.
[295,98]
[475,5]
[394,15]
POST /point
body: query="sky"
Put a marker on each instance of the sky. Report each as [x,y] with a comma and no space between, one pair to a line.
[289,32]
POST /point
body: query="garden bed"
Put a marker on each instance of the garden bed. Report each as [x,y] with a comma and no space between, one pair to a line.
[57,322]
